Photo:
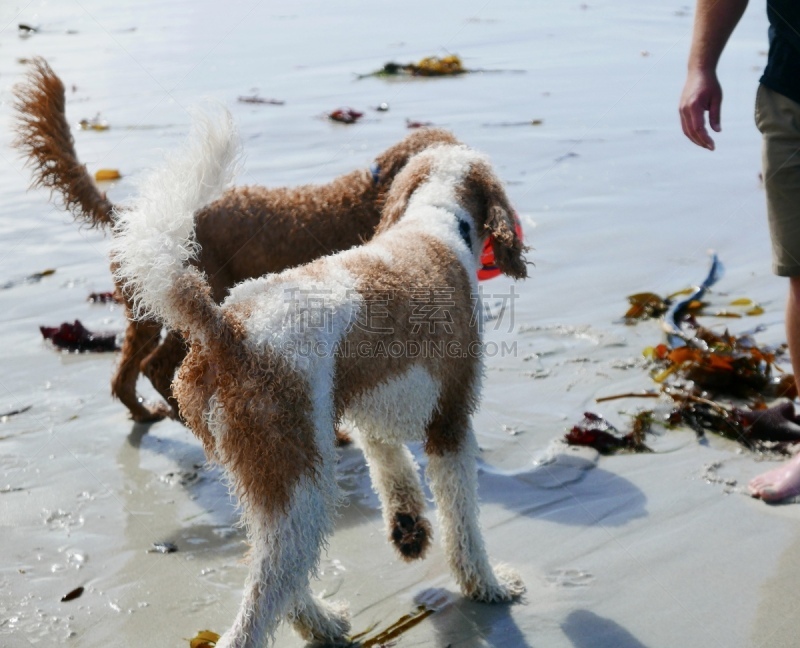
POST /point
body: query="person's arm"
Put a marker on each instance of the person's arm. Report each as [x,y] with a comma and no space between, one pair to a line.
[714,23]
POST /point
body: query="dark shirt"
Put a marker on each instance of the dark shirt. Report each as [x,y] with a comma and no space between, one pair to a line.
[782,73]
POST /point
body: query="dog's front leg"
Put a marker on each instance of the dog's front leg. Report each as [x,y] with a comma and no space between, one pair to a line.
[161,364]
[396,481]
[141,337]
[453,478]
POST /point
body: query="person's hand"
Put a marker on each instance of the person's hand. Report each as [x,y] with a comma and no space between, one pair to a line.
[701,94]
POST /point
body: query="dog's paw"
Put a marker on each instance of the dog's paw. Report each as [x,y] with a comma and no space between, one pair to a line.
[343,438]
[411,535]
[507,586]
[151,413]
[323,623]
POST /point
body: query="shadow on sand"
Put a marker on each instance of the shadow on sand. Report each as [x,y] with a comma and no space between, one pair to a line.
[586,629]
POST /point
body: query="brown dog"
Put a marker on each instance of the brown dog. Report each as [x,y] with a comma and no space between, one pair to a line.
[248,232]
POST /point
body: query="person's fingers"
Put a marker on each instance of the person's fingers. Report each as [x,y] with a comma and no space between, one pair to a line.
[701,94]
[695,127]
[686,124]
[714,113]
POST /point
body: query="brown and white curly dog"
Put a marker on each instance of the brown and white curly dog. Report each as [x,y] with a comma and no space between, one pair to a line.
[247,232]
[272,369]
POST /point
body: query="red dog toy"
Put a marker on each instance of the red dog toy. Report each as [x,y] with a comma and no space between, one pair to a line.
[488,269]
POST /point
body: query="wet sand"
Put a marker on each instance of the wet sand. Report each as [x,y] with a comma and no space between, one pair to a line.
[663,549]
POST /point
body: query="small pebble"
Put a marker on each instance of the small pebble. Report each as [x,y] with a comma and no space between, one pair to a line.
[163,547]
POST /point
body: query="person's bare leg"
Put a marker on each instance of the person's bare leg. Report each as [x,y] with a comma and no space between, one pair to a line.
[784,481]
[793,325]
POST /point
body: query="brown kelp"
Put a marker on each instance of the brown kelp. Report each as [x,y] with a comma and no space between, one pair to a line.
[697,368]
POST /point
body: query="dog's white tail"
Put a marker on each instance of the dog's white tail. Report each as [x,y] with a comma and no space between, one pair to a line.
[154,242]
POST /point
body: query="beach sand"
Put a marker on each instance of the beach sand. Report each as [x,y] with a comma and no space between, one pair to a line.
[657,550]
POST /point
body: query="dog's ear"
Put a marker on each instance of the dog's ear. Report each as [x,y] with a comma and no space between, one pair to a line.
[507,247]
[501,226]
[404,185]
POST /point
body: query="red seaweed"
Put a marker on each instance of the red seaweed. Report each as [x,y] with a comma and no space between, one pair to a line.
[76,337]
[345,115]
[596,432]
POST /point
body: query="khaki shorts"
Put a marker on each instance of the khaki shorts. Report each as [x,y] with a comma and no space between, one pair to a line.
[778,119]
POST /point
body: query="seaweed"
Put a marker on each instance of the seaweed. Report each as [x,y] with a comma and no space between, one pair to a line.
[14,412]
[507,124]
[96,124]
[204,639]
[103,175]
[410,123]
[721,365]
[695,380]
[649,305]
[345,115]
[32,278]
[699,361]
[596,432]
[108,297]
[430,66]
[255,99]
[645,305]
[399,627]
[76,337]
[696,368]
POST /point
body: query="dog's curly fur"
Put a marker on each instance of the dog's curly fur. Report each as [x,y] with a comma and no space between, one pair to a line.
[247,232]
[275,367]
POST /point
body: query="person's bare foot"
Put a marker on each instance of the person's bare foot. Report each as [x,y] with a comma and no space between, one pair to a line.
[778,483]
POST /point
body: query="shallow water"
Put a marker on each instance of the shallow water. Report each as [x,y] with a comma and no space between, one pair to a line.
[614,201]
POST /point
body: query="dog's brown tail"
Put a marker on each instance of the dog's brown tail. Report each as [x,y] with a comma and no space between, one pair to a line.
[154,241]
[43,136]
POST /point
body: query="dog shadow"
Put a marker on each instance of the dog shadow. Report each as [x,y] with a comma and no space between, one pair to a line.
[190,471]
[586,629]
[469,624]
[205,483]
[569,490]
[453,621]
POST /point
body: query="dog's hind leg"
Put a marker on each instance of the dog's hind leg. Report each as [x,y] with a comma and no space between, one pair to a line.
[278,450]
[318,621]
[454,481]
[395,478]
[285,553]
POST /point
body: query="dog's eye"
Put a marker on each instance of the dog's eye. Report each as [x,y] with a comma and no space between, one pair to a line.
[463,230]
